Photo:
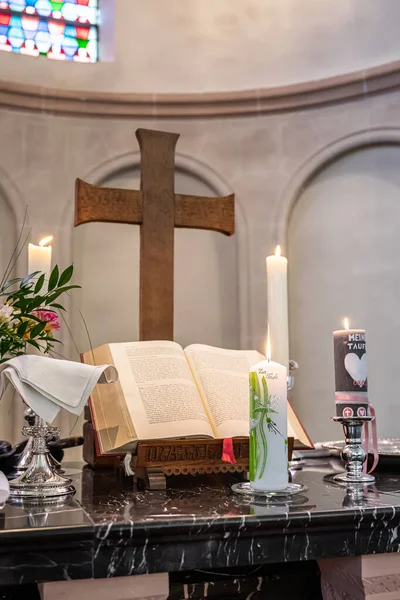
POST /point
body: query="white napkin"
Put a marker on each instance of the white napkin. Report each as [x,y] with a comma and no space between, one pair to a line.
[4,489]
[47,385]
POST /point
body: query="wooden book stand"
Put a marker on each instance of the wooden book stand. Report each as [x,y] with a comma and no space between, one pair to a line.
[154,461]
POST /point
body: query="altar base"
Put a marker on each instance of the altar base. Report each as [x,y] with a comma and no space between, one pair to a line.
[361,578]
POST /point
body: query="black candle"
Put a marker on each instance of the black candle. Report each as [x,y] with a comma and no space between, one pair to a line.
[351,385]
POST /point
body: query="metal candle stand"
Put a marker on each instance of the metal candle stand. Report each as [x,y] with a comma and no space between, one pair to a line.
[39,478]
[353,453]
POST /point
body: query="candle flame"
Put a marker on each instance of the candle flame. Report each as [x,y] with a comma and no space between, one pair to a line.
[268,348]
[278,251]
[346,323]
[46,240]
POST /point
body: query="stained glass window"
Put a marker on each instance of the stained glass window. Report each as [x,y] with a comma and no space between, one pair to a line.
[58,29]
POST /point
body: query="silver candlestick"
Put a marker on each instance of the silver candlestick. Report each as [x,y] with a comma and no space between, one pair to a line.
[26,456]
[40,480]
[353,453]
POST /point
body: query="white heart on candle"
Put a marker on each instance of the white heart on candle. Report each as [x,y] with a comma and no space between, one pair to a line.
[356,367]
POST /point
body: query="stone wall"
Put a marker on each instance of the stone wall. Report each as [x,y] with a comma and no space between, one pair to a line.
[223,45]
[270,162]
[298,175]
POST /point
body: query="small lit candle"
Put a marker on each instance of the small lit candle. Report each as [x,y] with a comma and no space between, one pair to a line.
[39,257]
[351,385]
[268,425]
[278,306]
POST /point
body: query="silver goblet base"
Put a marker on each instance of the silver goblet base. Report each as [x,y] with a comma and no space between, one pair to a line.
[40,480]
[27,453]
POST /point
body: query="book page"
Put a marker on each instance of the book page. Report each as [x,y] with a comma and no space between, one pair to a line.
[160,393]
[110,416]
[222,377]
[296,429]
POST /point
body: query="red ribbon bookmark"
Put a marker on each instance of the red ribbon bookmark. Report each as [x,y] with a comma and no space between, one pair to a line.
[228,454]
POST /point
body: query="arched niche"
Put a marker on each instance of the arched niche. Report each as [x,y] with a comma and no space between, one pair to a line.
[7,233]
[343,247]
[10,406]
[106,258]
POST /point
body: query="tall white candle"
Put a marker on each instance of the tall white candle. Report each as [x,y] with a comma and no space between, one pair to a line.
[39,257]
[268,426]
[278,306]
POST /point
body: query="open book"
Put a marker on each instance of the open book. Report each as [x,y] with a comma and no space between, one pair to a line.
[166,392]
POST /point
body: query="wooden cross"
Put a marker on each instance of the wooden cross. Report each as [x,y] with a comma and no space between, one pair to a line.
[157,209]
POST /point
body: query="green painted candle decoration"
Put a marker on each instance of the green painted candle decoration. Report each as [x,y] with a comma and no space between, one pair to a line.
[268,426]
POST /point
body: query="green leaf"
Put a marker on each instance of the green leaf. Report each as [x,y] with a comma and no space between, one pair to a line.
[33,343]
[253,454]
[16,317]
[252,381]
[265,389]
[53,278]
[21,305]
[252,378]
[35,303]
[257,388]
[55,305]
[39,284]
[25,280]
[60,291]
[35,318]
[262,458]
[66,276]
[37,330]
[22,328]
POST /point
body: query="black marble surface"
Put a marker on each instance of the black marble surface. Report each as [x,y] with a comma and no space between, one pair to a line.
[109,530]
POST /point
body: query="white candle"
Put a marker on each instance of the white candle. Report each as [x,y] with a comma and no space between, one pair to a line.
[268,426]
[278,306]
[39,257]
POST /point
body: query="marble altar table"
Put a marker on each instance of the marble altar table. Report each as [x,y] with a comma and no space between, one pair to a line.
[198,533]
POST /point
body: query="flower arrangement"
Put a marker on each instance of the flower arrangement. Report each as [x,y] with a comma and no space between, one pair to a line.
[29,312]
